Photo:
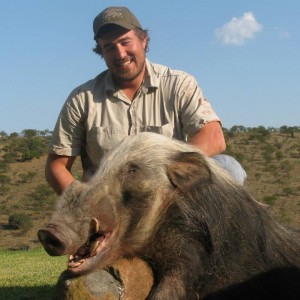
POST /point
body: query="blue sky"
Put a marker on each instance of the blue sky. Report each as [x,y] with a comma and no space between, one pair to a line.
[245,55]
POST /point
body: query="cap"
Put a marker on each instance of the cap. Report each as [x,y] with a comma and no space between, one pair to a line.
[121,16]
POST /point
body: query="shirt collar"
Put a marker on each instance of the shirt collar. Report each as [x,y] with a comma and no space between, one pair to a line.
[151,77]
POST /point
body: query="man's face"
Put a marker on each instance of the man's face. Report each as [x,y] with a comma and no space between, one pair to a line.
[124,53]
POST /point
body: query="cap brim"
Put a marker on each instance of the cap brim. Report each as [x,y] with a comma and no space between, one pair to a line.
[121,24]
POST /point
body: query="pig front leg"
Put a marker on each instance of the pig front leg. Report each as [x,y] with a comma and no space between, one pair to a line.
[173,286]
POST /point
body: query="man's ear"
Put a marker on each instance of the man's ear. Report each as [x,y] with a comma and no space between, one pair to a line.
[188,169]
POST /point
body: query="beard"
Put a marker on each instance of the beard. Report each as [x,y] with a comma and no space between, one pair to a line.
[127,74]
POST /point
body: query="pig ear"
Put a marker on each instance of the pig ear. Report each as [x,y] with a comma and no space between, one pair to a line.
[188,169]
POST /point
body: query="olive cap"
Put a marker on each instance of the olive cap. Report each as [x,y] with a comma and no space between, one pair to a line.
[120,16]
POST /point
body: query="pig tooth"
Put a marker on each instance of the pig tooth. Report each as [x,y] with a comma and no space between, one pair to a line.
[74,264]
[71,257]
[93,248]
[94,227]
[97,227]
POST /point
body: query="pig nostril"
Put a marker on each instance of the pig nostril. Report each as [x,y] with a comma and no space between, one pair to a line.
[52,244]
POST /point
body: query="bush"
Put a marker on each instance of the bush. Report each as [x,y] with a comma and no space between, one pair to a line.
[288,191]
[27,147]
[3,166]
[27,177]
[267,156]
[42,196]
[279,155]
[270,200]
[3,191]
[9,157]
[20,221]
[4,179]
[239,156]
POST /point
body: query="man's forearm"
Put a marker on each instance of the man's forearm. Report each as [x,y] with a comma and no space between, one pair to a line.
[210,139]
[57,172]
[59,180]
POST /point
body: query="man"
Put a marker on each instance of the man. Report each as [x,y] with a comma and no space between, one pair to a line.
[132,96]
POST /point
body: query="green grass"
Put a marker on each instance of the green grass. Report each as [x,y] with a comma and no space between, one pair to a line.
[28,275]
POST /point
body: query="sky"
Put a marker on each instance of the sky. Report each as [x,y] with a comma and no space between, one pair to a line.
[245,55]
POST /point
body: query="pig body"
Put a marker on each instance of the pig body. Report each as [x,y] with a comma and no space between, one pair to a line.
[203,234]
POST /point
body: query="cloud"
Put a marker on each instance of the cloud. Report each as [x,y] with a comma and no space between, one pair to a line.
[238,30]
[284,34]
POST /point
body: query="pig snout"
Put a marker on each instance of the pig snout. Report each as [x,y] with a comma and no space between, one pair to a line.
[52,240]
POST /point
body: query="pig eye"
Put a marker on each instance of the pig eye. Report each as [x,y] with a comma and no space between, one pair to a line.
[132,168]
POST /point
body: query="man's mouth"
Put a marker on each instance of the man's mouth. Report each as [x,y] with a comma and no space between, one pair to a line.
[125,63]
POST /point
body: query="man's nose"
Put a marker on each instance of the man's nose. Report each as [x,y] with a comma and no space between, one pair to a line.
[120,51]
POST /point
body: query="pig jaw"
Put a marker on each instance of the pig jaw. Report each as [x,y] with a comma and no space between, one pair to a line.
[93,252]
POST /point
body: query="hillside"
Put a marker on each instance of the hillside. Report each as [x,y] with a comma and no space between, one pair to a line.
[271,158]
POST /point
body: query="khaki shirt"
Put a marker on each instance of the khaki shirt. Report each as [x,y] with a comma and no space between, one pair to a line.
[97,115]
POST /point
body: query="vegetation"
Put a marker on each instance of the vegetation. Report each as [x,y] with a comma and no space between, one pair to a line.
[24,146]
[20,221]
[29,274]
[270,156]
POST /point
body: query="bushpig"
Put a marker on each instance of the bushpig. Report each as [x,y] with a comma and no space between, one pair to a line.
[203,234]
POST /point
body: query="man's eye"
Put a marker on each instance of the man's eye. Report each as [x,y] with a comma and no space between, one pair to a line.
[126,43]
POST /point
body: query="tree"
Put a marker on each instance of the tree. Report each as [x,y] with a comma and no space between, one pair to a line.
[13,135]
[45,132]
[238,128]
[29,132]
[3,134]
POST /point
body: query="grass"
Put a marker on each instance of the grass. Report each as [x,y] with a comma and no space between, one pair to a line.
[29,274]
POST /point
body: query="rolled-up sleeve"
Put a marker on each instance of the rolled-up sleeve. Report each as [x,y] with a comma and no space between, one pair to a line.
[195,110]
[69,133]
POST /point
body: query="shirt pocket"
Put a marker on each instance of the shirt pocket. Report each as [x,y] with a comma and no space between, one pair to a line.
[101,139]
[165,129]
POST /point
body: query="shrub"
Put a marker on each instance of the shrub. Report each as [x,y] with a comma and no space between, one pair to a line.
[42,196]
[3,166]
[286,166]
[20,221]
[279,155]
[9,157]
[4,179]
[257,176]
[27,177]
[267,156]
[239,156]
[288,191]
[27,147]
[3,191]
[270,199]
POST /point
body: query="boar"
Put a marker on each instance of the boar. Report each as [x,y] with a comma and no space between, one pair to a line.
[203,234]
